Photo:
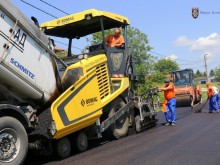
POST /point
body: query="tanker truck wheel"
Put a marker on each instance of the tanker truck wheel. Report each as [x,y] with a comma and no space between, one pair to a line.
[63,147]
[119,128]
[13,141]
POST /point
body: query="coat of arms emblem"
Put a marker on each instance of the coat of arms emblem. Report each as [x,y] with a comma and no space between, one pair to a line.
[195,12]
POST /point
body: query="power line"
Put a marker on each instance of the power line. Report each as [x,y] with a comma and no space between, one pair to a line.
[38,9]
[55,7]
[157,53]
[50,15]
[192,64]
[189,61]
[215,62]
[176,59]
[67,45]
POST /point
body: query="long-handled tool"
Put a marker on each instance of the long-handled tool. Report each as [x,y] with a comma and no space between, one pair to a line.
[200,109]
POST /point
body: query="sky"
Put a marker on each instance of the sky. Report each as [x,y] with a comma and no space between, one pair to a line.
[169,25]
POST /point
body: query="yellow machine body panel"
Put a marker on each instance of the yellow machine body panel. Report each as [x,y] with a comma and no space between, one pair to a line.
[77,17]
[83,23]
[81,104]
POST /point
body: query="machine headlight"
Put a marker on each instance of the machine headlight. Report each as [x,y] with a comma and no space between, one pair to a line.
[82,56]
[88,16]
[85,56]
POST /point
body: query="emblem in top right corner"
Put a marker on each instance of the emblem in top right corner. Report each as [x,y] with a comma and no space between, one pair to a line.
[195,12]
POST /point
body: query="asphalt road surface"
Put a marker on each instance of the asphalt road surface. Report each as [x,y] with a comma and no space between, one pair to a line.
[194,140]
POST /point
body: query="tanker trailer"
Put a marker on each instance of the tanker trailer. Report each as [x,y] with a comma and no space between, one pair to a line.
[29,80]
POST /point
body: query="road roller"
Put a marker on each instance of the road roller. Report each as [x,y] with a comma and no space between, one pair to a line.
[187,93]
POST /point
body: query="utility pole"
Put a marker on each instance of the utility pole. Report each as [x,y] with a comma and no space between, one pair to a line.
[206,69]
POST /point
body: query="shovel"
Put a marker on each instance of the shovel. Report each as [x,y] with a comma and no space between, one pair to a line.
[200,109]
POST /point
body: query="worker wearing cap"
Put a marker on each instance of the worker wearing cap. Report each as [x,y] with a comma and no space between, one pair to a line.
[169,104]
[115,39]
[216,92]
[212,96]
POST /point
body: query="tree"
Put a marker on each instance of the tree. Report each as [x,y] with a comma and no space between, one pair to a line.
[217,74]
[198,74]
[212,73]
[165,66]
[158,77]
[141,73]
[138,44]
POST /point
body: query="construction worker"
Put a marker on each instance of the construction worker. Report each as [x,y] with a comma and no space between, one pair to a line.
[183,79]
[216,92]
[169,103]
[212,96]
[115,39]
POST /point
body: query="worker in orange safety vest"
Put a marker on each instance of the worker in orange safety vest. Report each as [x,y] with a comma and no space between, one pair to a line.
[115,39]
[169,103]
[212,96]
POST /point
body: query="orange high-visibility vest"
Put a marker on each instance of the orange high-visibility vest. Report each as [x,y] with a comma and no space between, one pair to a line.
[169,94]
[209,92]
[164,106]
[112,40]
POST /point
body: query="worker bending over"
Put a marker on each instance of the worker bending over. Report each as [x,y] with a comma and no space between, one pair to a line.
[212,95]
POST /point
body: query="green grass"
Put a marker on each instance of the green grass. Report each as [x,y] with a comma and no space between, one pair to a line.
[217,84]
